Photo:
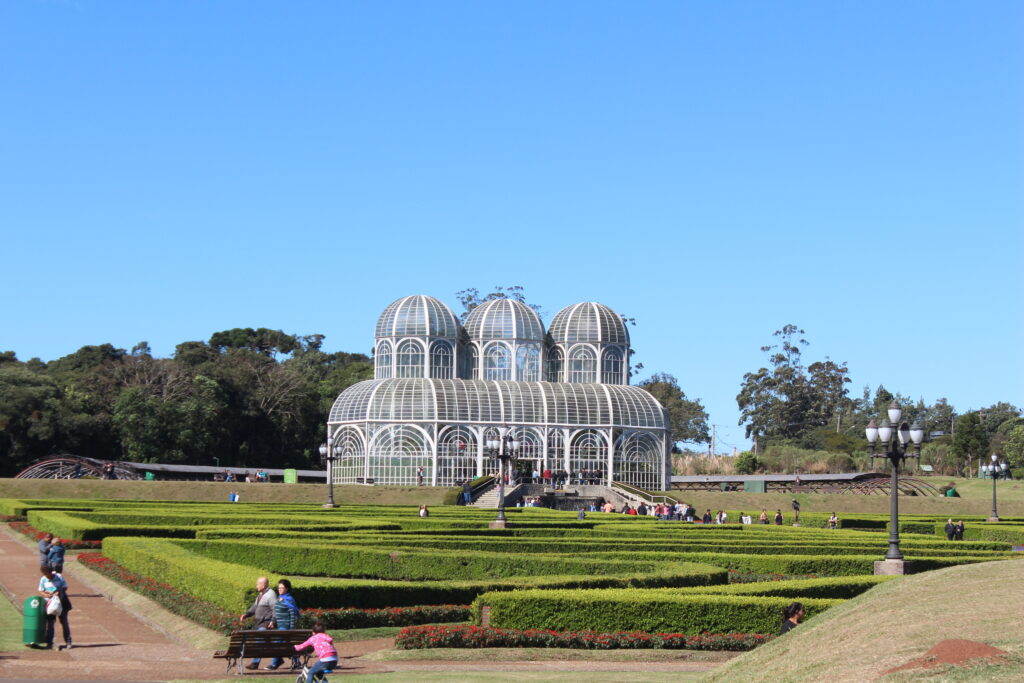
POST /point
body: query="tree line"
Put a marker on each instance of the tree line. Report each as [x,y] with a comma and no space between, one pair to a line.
[788,403]
[247,397]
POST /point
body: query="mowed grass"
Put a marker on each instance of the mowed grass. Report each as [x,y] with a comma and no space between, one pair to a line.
[217,492]
[896,622]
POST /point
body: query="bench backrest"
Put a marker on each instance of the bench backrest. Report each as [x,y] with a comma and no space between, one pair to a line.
[267,642]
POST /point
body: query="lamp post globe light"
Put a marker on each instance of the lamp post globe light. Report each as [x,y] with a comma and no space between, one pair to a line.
[895,438]
[995,470]
[505,448]
[327,456]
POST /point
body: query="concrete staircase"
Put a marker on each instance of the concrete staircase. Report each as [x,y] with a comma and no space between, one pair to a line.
[488,500]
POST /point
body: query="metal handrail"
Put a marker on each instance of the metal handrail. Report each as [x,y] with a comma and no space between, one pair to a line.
[643,495]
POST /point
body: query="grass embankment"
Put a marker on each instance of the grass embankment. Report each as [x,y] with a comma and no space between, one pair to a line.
[975,499]
[210,491]
[896,622]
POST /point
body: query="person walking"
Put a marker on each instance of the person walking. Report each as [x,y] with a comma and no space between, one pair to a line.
[833,521]
[959,534]
[764,516]
[778,517]
[262,611]
[286,618]
[950,529]
[54,588]
[46,540]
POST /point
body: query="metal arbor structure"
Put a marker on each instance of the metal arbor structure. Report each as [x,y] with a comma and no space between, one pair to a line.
[442,391]
[68,466]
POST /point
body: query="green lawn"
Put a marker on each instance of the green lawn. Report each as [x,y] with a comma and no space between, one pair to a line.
[10,627]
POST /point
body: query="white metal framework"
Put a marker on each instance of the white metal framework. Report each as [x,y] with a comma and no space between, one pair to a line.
[440,426]
[440,388]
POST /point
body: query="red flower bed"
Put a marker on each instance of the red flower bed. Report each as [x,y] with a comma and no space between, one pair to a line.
[36,534]
[218,619]
[463,636]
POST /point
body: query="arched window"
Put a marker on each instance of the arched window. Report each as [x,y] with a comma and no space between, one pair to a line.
[383,360]
[582,366]
[441,360]
[553,369]
[456,456]
[638,460]
[588,455]
[410,359]
[497,362]
[612,371]
[528,363]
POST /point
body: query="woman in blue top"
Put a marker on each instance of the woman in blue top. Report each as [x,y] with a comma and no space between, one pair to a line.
[286,618]
[50,584]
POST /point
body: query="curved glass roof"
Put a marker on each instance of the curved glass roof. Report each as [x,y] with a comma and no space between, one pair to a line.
[497,402]
[588,322]
[504,319]
[417,316]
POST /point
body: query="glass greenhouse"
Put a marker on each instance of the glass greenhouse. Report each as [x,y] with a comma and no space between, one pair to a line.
[442,390]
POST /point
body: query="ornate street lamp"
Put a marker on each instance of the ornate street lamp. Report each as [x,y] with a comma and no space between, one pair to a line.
[328,454]
[895,442]
[994,470]
[505,448]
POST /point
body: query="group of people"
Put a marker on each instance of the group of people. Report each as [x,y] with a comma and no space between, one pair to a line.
[54,588]
[954,532]
[563,477]
[529,502]
[258,477]
[277,609]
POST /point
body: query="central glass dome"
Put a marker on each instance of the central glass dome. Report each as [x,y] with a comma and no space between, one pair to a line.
[504,319]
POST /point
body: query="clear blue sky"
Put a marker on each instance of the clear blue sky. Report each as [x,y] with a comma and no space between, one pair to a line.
[713,169]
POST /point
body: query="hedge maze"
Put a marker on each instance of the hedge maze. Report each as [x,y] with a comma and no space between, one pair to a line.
[548,571]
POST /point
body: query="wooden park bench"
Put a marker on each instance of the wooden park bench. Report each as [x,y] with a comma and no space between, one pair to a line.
[243,645]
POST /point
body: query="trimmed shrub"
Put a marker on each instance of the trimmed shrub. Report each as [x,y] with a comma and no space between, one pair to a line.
[640,610]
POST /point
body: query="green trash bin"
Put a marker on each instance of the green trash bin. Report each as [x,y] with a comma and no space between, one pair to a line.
[150,476]
[34,623]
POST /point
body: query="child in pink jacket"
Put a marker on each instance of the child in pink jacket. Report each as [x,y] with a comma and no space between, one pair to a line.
[323,645]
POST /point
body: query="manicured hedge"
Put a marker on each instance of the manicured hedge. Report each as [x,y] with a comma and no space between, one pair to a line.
[638,610]
[67,525]
[231,585]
